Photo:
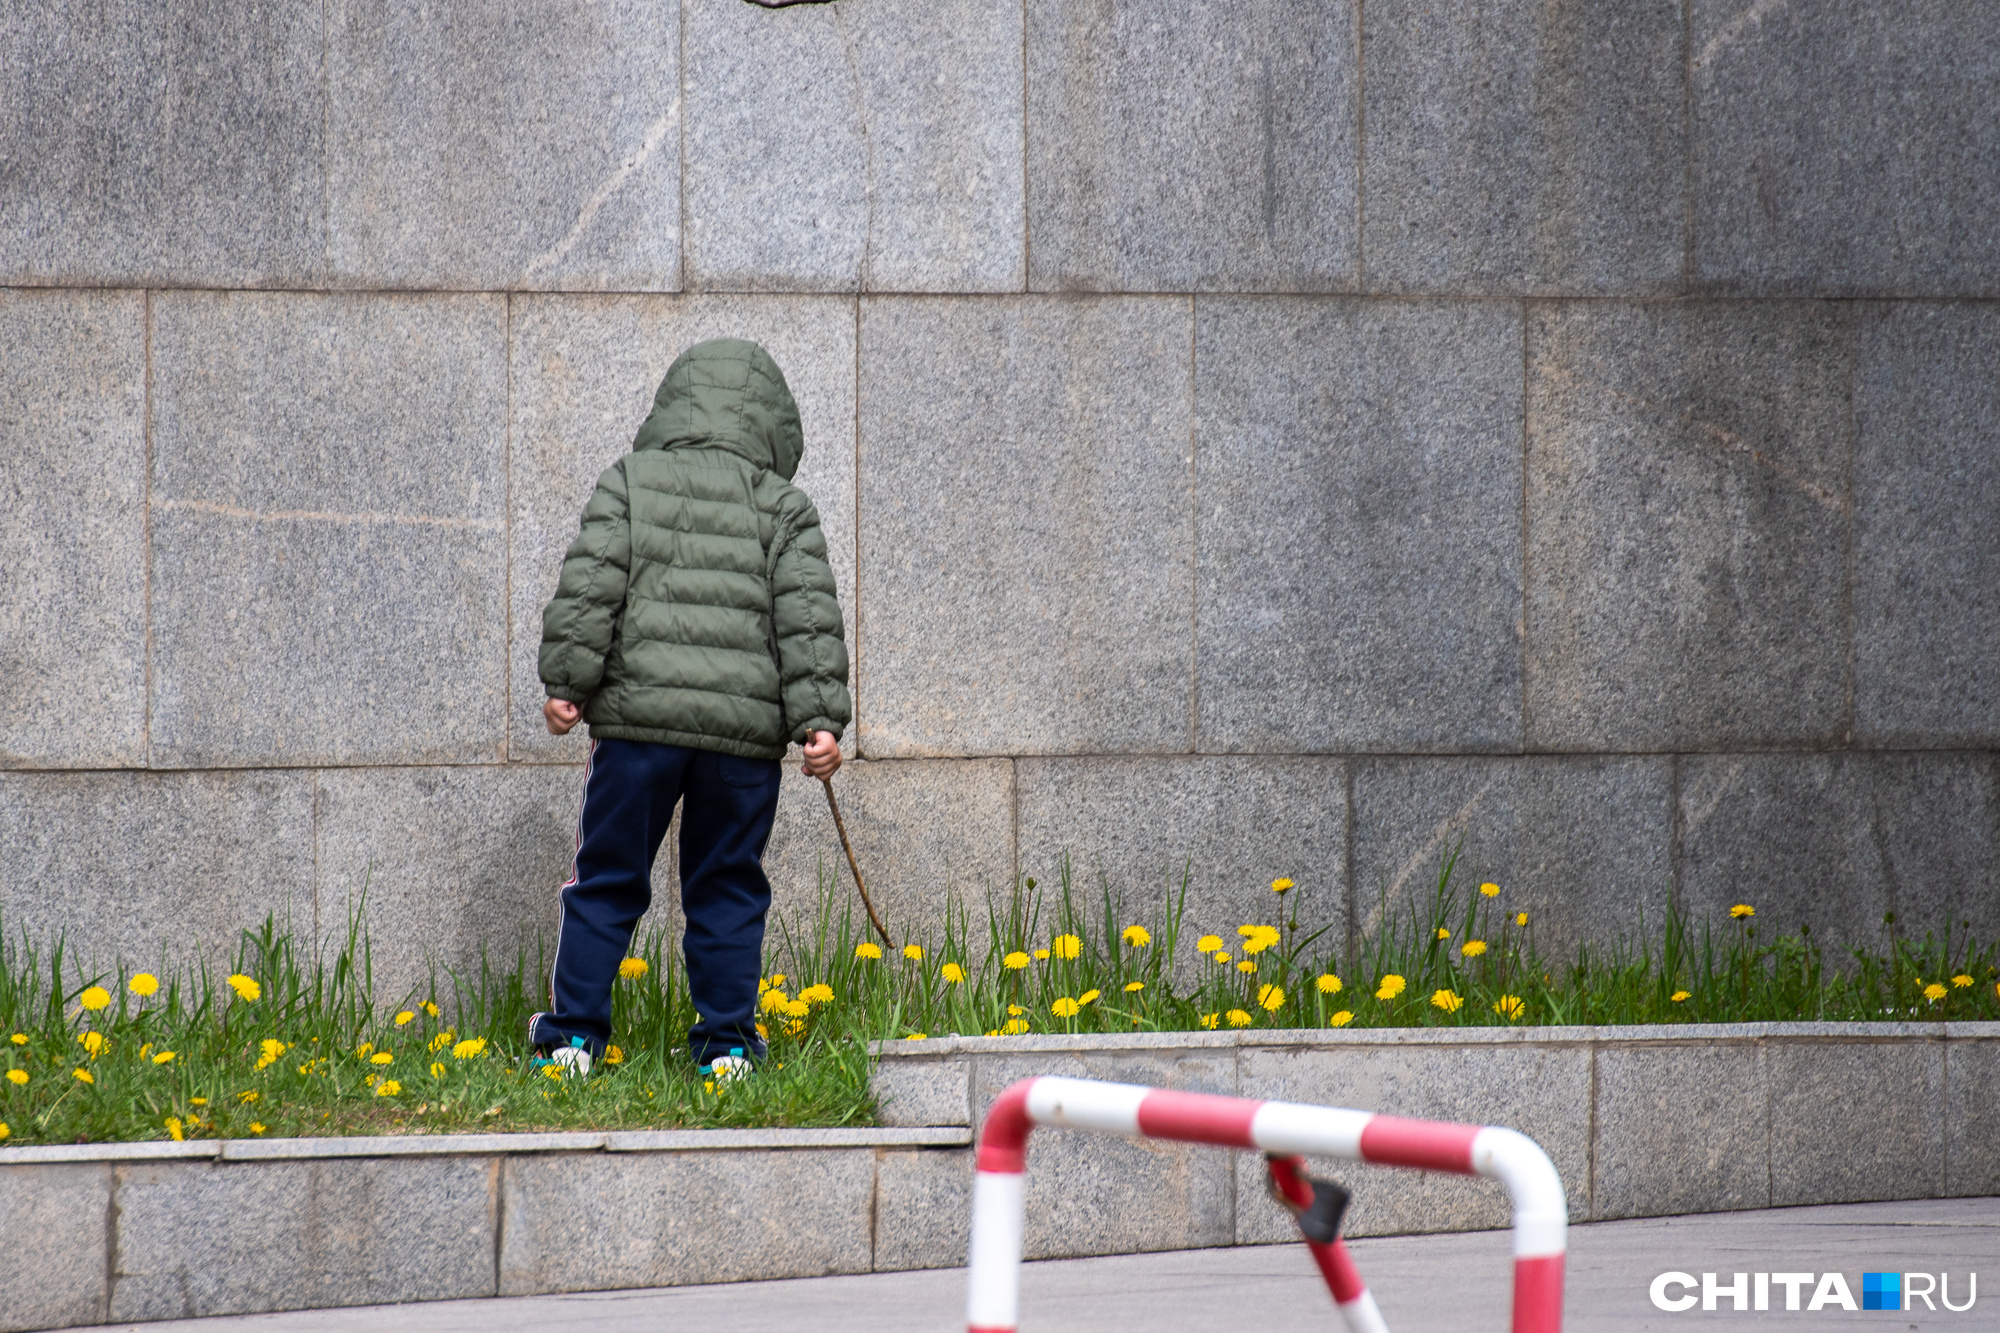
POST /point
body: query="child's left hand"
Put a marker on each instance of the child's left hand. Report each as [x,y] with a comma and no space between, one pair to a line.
[822,755]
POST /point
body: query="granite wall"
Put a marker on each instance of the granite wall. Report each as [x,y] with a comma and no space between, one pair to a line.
[1271,438]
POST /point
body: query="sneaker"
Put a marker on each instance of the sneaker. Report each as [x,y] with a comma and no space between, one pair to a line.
[571,1061]
[728,1068]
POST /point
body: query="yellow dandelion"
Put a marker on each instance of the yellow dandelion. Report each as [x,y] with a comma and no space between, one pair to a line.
[364,1048]
[1448,1001]
[1328,984]
[631,969]
[1014,961]
[1066,947]
[469,1048]
[1208,943]
[388,1087]
[17,1077]
[247,1097]
[1211,1020]
[763,1032]
[1246,967]
[382,1058]
[164,1058]
[1016,1010]
[797,1009]
[820,994]
[1065,1007]
[773,1000]
[1392,986]
[5,1133]
[1281,885]
[1041,955]
[82,1076]
[143,984]
[1934,992]
[1443,934]
[268,1051]
[372,1080]
[916,1036]
[1239,1018]
[1678,996]
[914,952]
[1134,987]
[1961,981]
[1089,997]
[93,1042]
[1256,939]
[777,978]
[1490,890]
[174,1129]
[246,988]
[953,973]
[1138,937]
[1742,910]
[1271,997]
[867,949]
[94,998]
[1472,948]
[19,1039]
[613,1056]
[1520,918]
[443,1039]
[405,1018]
[1508,1006]
[1221,955]
[437,1069]
[1014,1027]
[1340,1020]
[256,1128]
[429,1008]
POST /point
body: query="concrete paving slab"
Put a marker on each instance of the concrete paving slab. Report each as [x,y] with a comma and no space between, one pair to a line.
[1425,1284]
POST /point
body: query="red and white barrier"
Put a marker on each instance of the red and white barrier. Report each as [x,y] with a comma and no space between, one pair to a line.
[1283,1130]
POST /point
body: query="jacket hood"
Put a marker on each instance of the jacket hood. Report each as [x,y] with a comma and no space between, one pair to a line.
[727,392]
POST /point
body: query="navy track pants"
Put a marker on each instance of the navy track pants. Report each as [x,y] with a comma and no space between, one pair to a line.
[629,792]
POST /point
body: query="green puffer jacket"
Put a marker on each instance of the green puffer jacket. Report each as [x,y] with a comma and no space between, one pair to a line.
[696,606]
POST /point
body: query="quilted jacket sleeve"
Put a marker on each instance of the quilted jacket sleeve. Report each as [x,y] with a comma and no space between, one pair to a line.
[805,622]
[578,624]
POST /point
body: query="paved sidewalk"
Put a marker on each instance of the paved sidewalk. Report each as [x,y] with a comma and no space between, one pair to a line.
[1425,1284]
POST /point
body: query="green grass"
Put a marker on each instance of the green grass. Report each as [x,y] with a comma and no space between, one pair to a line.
[1033,960]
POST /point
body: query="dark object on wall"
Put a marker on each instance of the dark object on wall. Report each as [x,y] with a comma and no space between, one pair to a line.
[780,4]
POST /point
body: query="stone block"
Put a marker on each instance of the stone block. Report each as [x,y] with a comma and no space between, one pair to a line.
[1542,1091]
[921,1092]
[590,1223]
[1192,147]
[55,1230]
[151,145]
[154,868]
[1972,1118]
[584,372]
[1090,1193]
[329,548]
[1688,520]
[1358,584]
[1583,845]
[1680,1129]
[1844,149]
[73,535]
[1856,1120]
[452,862]
[1837,842]
[205,1239]
[1926,487]
[1026,475]
[1524,147]
[1232,824]
[923,1209]
[495,145]
[874,147]
[924,831]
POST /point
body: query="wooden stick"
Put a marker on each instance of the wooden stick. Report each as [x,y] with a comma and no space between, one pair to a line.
[841,827]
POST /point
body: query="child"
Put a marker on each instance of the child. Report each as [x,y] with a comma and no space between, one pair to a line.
[696,628]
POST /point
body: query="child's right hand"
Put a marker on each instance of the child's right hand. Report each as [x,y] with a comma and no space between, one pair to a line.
[560,715]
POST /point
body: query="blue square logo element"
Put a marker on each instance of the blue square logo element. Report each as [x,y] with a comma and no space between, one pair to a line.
[1881,1291]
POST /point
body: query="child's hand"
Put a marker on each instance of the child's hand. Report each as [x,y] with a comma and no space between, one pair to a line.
[560,715]
[822,755]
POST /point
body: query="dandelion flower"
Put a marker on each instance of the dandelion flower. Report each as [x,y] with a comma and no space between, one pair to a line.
[256,1128]
[613,1056]
[18,1077]
[1392,986]
[1490,890]
[1328,984]
[164,1058]
[1340,1020]
[1014,961]
[404,1019]
[388,1087]
[364,1048]
[246,988]
[1934,992]
[1508,1006]
[1472,948]
[1742,910]
[914,952]
[1221,955]
[1520,918]
[820,994]
[1138,937]
[1246,967]
[798,1009]
[1088,997]
[1041,955]
[19,1039]
[1210,1020]
[270,1049]
[777,978]
[953,973]
[1961,981]
[867,949]
[1448,1001]
[247,1097]
[470,1047]
[773,1000]
[94,998]
[143,984]
[1065,1007]
[174,1129]
[916,1036]
[1281,885]
[1134,987]
[631,969]
[5,1133]
[1443,934]
[1016,1010]
[1014,1027]
[382,1058]
[1271,997]
[93,1042]
[1256,939]
[1239,1018]
[1208,943]
[82,1076]
[1066,946]
[429,1008]
[1678,996]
